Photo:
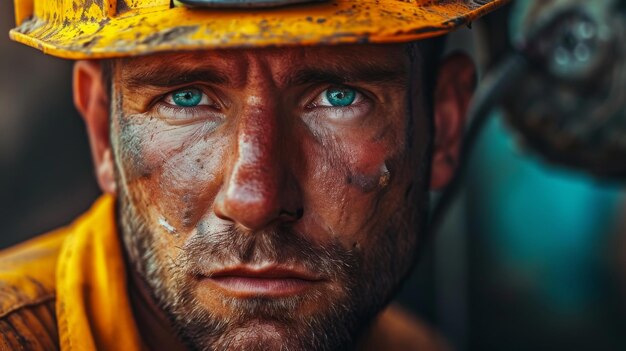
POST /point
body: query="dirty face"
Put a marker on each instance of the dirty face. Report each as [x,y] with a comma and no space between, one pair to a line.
[272,198]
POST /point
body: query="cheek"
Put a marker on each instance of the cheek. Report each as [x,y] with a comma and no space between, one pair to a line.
[348,182]
[367,165]
[172,171]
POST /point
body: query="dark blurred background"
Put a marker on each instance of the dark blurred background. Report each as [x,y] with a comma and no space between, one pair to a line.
[531,256]
[46,178]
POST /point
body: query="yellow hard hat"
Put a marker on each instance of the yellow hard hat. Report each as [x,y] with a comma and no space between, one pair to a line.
[83,29]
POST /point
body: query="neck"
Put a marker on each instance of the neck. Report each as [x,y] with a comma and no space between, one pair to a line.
[156,331]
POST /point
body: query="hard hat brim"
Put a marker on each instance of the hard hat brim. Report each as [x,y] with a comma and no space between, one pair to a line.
[158,29]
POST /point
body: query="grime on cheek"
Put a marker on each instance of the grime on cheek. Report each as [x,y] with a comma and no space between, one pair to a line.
[370,157]
[131,150]
[370,182]
[368,166]
[154,163]
[352,176]
[132,130]
[168,227]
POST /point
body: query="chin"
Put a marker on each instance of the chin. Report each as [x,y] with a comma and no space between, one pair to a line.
[298,323]
[258,335]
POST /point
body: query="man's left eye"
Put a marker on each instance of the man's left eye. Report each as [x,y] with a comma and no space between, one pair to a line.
[337,97]
[188,97]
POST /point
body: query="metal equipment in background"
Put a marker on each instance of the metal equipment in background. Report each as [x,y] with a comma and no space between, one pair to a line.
[571,102]
[563,88]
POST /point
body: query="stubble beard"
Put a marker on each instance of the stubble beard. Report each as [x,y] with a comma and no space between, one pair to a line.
[369,281]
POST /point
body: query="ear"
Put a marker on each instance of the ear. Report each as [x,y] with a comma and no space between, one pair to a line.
[453,93]
[92,101]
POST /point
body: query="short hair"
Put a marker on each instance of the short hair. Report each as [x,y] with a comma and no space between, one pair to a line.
[428,53]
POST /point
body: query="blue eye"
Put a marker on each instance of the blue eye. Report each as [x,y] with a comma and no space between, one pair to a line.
[340,97]
[187,97]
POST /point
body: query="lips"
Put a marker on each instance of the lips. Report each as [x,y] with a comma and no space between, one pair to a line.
[269,281]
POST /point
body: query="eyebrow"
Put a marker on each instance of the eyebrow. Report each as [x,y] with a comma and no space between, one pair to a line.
[367,74]
[169,77]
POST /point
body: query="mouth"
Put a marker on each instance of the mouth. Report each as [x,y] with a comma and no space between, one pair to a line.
[269,281]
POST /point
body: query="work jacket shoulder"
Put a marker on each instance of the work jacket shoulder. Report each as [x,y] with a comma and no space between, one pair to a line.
[27,293]
[397,330]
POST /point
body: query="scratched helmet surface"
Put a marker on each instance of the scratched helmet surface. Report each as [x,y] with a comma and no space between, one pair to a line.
[82,29]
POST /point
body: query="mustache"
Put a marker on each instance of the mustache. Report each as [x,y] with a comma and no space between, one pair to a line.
[204,252]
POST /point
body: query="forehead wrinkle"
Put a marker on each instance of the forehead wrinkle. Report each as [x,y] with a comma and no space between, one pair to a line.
[344,75]
[383,64]
[172,69]
[174,77]
[291,66]
[349,64]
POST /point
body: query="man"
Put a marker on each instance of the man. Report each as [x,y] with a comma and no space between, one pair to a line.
[263,190]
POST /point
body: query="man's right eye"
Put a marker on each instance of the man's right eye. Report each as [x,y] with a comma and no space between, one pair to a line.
[188,105]
[188,97]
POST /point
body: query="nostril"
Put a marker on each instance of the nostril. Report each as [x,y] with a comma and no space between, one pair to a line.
[291,215]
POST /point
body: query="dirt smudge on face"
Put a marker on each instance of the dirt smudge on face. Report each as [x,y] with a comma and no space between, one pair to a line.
[168,227]
[130,149]
[370,182]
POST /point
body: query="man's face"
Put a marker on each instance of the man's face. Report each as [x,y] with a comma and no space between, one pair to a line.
[271,198]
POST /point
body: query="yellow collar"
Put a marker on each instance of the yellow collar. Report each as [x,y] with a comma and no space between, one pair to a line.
[93,307]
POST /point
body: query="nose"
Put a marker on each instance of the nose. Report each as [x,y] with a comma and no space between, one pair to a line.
[259,189]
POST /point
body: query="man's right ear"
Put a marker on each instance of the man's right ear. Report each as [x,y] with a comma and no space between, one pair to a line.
[92,101]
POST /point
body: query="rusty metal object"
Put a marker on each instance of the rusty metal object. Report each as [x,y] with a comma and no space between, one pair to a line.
[83,29]
[571,104]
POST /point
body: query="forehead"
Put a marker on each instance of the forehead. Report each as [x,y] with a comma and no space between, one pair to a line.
[234,66]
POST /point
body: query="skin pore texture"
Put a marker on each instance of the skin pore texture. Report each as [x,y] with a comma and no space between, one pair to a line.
[270,199]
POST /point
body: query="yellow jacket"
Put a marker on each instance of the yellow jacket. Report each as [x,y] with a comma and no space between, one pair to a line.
[67,290]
